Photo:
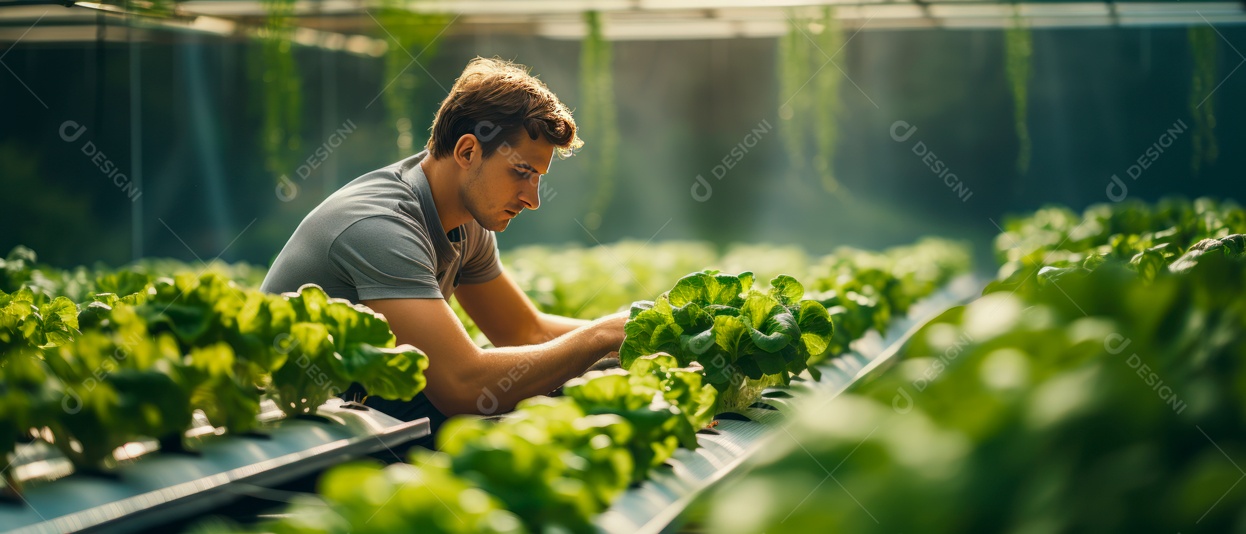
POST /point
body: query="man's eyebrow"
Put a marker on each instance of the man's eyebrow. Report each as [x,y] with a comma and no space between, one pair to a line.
[528,167]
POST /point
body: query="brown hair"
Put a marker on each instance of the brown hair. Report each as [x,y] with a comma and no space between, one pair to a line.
[494,100]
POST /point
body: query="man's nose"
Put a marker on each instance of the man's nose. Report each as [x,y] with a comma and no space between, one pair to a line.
[530,195]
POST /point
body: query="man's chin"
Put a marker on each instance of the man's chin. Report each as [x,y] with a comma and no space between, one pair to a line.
[498,226]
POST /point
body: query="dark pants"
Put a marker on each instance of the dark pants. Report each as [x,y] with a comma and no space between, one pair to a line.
[411,410]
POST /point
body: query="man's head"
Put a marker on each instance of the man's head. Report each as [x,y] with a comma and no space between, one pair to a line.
[502,127]
[497,100]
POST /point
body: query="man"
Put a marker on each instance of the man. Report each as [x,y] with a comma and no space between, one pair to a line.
[404,238]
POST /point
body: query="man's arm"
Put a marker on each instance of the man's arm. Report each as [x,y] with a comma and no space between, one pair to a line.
[463,378]
[506,315]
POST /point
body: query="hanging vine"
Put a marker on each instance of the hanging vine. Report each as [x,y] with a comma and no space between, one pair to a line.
[413,38]
[809,86]
[793,67]
[278,77]
[1204,49]
[826,102]
[1018,52]
[598,116]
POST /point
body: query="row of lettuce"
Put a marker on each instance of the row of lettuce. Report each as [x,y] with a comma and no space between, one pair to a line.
[1099,385]
[1149,237]
[92,359]
[588,282]
[138,356]
[709,344]
[551,465]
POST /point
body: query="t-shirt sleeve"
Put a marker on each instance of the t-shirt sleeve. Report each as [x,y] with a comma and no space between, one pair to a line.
[481,261]
[386,258]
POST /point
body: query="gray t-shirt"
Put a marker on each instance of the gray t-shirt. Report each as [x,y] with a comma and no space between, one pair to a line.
[379,237]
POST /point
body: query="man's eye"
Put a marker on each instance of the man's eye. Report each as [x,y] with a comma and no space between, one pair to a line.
[521,174]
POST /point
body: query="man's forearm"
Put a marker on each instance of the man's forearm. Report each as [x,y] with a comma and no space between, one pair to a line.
[504,376]
[553,326]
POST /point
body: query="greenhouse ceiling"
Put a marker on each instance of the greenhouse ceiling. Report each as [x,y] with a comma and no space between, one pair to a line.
[348,25]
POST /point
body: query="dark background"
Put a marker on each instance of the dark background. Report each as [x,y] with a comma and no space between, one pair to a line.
[1098,99]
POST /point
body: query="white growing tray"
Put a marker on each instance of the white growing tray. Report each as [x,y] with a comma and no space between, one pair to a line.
[160,487]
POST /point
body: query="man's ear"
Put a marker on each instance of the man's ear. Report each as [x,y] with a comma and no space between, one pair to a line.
[466,151]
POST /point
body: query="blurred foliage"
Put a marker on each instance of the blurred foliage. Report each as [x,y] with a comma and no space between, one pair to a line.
[765,261]
[1109,396]
[865,290]
[367,498]
[598,116]
[21,268]
[588,282]
[1026,414]
[1054,239]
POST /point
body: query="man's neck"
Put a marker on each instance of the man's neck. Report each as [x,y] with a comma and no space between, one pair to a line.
[443,180]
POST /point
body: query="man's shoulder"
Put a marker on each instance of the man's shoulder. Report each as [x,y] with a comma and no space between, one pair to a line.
[382,196]
[371,214]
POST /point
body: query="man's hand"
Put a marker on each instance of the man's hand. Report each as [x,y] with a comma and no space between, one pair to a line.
[463,378]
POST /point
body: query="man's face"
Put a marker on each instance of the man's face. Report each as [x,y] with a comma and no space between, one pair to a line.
[505,183]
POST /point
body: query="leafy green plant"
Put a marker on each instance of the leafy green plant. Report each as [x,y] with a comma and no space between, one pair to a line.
[864,290]
[30,396]
[304,346]
[638,400]
[15,269]
[665,405]
[856,305]
[684,388]
[554,462]
[1055,241]
[332,343]
[230,335]
[423,496]
[551,464]
[1229,246]
[136,366]
[118,386]
[25,324]
[744,339]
